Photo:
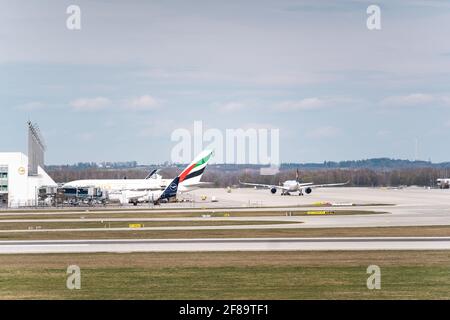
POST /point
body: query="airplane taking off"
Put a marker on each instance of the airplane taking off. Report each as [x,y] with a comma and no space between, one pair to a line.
[293,186]
[153,187]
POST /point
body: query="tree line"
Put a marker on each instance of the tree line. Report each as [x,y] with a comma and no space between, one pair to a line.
[219,177]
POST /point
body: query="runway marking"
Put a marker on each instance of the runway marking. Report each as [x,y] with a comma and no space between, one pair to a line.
[234,244]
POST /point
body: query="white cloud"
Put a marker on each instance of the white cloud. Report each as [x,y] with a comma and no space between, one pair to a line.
[231,106]
[31,106]
[229,75]
[323,132]
[90,104]
[415,99]
[86,136]
[301,105]
[145,102]
[154,128]
[259,125]
[316,103]
[383,133]
[446,100]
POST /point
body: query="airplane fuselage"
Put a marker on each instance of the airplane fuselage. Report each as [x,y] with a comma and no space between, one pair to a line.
[111,185]
[123,189]
[291,185]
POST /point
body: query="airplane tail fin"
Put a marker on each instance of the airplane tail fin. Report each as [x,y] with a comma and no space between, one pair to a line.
[151,174]
[297,176]
[191,175]
[194,172]
[171,190]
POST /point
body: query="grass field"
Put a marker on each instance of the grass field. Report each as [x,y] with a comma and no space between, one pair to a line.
[229,275]
[125,224]
[426,231]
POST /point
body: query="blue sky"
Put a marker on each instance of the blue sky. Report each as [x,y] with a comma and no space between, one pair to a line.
[137,70]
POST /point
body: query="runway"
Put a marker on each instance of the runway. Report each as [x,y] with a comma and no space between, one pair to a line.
[289,222]
[404,207]
[394,216]
[230,244]
[390,208]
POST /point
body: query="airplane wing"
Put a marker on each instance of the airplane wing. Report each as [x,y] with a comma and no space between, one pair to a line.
[198,184]
[202,183]
[306,184]
[326,185]
[267,186]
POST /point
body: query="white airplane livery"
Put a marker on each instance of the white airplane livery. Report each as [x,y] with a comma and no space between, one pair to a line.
[153,188]
[289,186]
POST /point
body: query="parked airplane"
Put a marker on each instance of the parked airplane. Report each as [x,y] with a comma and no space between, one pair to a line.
[443,183]
[152,188]
[294,186]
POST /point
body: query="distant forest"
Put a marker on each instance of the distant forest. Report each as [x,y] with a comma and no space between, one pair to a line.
[368,173]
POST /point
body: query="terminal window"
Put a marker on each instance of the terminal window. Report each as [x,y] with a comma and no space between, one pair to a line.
[3,179]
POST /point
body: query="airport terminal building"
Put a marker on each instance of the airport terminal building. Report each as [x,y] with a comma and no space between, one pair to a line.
[21,176]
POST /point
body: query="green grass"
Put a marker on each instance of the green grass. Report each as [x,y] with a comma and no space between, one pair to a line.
[233,275]
[125,224]
[229,283]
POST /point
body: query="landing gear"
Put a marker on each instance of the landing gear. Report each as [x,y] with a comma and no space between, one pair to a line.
[300,193]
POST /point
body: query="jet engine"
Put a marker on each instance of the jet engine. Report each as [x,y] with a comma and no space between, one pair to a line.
[308,190]
[273,190]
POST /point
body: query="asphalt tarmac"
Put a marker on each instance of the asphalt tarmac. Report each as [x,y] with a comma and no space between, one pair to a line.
[250,244]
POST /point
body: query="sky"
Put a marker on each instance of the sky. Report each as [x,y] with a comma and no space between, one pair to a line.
[116,89]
